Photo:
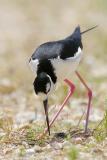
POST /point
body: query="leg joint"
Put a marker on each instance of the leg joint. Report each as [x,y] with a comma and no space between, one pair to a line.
[70,84]
[72,87]
[90,93]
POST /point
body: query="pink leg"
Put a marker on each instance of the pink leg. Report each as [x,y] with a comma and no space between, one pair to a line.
[89,101]
[72,88]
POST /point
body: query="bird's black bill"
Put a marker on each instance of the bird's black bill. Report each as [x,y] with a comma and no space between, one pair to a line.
[45,102]
[88,29]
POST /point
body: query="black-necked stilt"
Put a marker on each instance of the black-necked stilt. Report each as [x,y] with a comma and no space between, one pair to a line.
[55,61]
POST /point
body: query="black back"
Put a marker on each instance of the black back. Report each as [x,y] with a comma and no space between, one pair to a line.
[65,48]
[48,50]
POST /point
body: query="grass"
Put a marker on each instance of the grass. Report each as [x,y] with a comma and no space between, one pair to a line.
[28,134]
[73,153]
[100,132]
[22,151]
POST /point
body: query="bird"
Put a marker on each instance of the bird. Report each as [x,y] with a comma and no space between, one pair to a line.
[55,61]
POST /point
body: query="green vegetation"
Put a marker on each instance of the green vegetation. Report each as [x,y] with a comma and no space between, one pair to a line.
[22,151]
[100,132]
[73,154]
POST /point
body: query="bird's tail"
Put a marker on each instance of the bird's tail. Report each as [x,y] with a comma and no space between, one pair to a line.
[89,29]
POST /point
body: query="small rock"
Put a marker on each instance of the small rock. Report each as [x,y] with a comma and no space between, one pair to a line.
[57,145]
[98,150]
[67,144]
[77,140]
[37,148]
[25,144]
[48,146]
[30,151]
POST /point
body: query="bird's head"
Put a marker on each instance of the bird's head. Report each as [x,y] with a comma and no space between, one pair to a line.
[42,85]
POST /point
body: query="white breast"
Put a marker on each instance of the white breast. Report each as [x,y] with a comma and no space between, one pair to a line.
[65,68]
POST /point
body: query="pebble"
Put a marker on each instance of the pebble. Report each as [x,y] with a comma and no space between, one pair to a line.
[57,145]
[77,140]
[37,148]
[30,151]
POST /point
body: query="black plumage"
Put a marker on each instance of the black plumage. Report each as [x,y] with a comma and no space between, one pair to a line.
[63,49]
[46,66]
[40,83]
[53,61]
[57,50]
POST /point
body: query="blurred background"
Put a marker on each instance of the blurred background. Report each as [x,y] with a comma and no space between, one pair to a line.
[26,24]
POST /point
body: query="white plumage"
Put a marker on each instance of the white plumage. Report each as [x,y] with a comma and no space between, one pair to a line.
[63,68]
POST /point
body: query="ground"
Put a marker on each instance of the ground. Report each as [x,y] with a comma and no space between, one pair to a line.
[23,26]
